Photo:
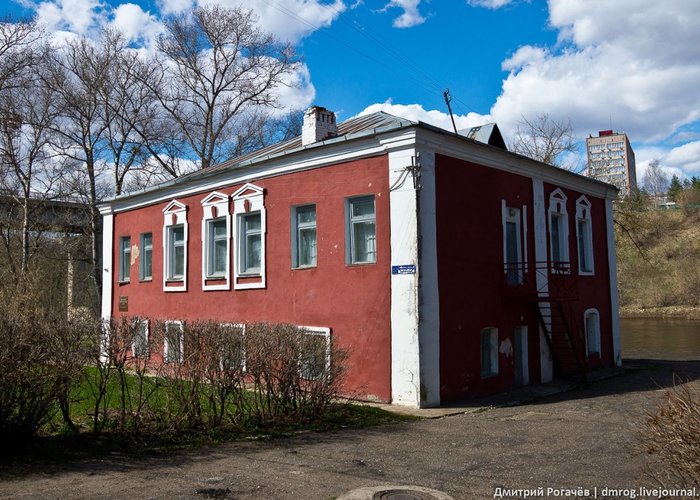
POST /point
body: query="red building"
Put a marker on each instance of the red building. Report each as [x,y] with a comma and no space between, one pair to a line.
[448,266]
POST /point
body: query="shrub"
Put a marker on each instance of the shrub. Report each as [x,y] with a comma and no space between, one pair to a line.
[671,436]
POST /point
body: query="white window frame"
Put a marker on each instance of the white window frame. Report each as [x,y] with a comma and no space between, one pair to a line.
[144,250]
[174,214]
[491,370]
[557,208]
[181,326]
[592,338]
[323,332]
[517,217]
[124,259]
[296,229]
[215,207]
[583,216]
[242,328]
[243,236]
[248,200]
[350,221]
[134,347]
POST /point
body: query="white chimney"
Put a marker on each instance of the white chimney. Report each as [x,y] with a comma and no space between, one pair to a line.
[319,124]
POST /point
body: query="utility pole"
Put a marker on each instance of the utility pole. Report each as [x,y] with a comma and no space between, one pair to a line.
[448,98]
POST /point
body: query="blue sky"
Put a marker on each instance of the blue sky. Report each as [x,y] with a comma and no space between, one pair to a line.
[634,64]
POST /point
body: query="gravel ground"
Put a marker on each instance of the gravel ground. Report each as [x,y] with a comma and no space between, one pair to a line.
[579,439]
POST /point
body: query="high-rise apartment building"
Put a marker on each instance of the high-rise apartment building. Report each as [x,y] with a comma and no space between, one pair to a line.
[611,160]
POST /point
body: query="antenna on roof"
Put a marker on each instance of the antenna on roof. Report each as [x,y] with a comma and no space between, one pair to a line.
[448,98]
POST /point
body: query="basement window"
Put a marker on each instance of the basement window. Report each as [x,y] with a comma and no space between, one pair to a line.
[174,342]
[315,355]
[139,346]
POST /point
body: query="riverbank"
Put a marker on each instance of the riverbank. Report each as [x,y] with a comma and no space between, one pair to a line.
[675,312]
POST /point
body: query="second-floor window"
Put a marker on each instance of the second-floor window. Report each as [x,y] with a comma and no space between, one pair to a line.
[146,261]
[217,247]
[249,243]
[361,230]
[176,252]
[124,258]
[304,236]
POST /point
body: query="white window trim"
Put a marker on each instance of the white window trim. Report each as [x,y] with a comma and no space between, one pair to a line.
[247,200]
[174,214]
[515,215]
[124,260]
[142,255]
[596,348]
[133,343]
[295,236]
[321,331]
[349,233]
[181,326]
[493,332]
[583,213]
[215,206]
[242,327]
[557,205]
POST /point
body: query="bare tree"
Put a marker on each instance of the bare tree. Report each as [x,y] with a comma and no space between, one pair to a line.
[16,42]
[545,139]
[216,68]
[77,74]
[655,180]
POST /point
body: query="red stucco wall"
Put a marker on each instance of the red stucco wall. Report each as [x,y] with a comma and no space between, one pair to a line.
[470,271]
[354,301]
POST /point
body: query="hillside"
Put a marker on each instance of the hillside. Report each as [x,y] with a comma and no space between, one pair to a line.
[658,254]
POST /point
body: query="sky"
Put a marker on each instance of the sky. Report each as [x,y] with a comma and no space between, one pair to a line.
[627,65]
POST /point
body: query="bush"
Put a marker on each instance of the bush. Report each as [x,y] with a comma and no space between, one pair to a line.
[671,436]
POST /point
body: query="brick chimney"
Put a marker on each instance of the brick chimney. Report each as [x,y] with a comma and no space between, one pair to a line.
[319,124]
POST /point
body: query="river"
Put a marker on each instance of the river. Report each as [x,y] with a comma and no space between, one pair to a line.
[652,338]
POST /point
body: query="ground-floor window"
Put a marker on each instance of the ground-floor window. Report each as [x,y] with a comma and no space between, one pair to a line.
[139,347]
[591,320]
[489,352]
[174,340]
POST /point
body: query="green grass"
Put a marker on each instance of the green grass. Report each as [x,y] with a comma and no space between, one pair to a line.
[57,444]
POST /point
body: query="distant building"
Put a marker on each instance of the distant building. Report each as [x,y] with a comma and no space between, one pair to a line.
[611,160]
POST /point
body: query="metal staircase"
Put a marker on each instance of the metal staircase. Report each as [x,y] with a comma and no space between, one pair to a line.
[551,289]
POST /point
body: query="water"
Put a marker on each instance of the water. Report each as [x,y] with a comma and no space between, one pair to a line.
[651,338]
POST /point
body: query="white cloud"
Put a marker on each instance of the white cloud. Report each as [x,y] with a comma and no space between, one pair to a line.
[410,17]
[297,92]
[633,62]
[136,24]
[416,112]
[289,20]
[489,4]
[686,157]
[77,16]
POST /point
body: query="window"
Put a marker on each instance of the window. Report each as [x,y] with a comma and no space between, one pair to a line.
[250,243]
[124,258]
[304,236]
[489,352]
[249,230]
[217,247]
[233,348]
[362,244]
[175,236]
[174,340]
[314,360]
[216,241]
[146,262]
[591,320]
[513,242]
[558,232]
[176,253]
[139,347]
[584,235]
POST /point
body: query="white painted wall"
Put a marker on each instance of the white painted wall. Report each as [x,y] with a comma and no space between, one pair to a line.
[614,299]
[107,276]
[405,349]
[540,222]
[428,299]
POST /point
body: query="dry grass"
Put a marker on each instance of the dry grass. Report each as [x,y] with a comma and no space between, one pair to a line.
[658,265]
[671,437]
